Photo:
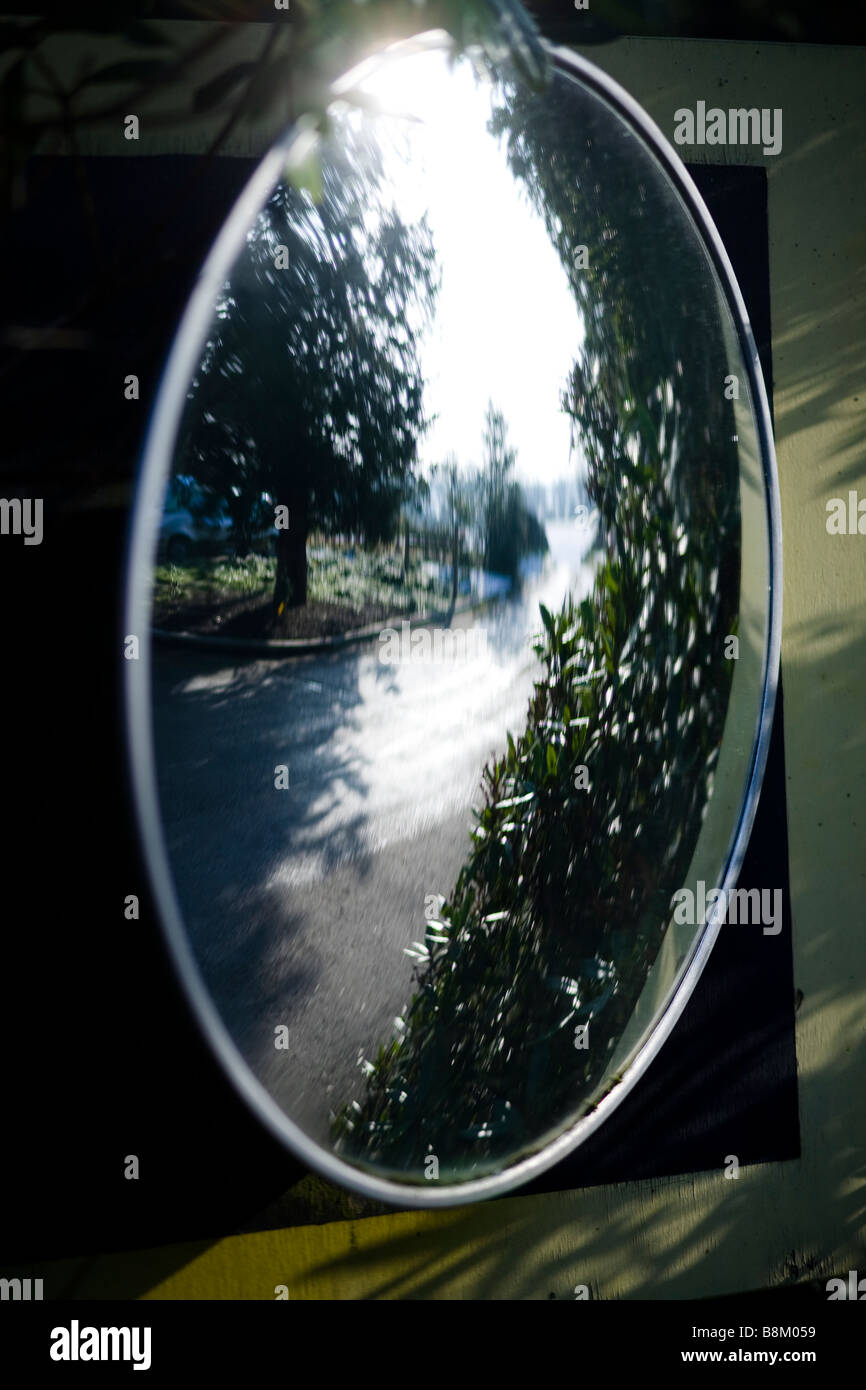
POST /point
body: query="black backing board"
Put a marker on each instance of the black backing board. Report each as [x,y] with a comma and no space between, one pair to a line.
[103,1056]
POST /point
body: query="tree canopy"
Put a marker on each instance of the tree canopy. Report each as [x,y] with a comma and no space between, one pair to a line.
[310,387]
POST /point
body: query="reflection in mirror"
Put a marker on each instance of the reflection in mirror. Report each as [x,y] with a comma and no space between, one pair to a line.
[470,443]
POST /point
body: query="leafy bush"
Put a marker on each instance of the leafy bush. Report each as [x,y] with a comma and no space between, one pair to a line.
[562,904]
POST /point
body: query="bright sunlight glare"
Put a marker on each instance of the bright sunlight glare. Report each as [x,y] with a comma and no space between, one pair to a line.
[506,326]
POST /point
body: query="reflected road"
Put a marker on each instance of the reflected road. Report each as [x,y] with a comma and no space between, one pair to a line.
[299,903]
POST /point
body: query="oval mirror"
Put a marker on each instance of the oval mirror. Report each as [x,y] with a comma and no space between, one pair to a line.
[456,568]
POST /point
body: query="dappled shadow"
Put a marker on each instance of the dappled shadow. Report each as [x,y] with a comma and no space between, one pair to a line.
[221,731]
[819,350]
[643,1239]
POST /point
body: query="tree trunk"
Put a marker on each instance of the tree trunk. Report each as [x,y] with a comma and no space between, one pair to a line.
[455,558]
[290,584]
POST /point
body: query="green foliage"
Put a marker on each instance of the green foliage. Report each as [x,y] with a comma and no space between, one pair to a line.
[374,578]
[560,907]
[558,911]
[371,579]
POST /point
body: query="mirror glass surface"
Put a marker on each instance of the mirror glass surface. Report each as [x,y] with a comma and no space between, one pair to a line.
[467,434]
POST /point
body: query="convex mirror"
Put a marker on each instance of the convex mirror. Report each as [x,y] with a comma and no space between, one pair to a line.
[456,570]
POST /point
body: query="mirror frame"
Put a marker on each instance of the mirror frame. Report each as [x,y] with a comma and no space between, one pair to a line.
[183,358]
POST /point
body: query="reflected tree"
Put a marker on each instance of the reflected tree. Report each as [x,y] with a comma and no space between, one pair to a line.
[310,387]
[459,513]
[511,530]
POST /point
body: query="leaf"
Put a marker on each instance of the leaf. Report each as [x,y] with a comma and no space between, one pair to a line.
[307,175]
[513,801]
[212,93]
[552,760]
[417,951]
[546,618]
[303,167]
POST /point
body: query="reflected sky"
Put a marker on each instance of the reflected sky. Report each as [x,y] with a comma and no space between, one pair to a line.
[506,326]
